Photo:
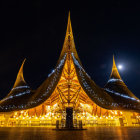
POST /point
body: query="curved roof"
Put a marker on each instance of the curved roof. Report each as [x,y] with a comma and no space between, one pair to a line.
[20,83]
[115,95]
[18,94]
[22,97]
[117,89]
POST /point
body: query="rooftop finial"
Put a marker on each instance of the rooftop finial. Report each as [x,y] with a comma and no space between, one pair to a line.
[20,76]
[114,64]
[69,44]
[69,27]
[69,15]
[115,74]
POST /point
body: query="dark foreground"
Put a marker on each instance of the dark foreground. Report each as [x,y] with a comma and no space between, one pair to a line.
[95,133]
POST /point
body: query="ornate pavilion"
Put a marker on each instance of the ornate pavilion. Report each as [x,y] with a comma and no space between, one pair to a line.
[70,92]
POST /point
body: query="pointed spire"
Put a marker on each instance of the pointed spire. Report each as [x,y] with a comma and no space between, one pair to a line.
[20,77]
[69,27]
[114,74]
[69,44]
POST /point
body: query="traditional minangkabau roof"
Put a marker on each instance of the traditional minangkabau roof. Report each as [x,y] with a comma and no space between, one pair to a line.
[18,95]
[115,95]
[117,89]
[20,82]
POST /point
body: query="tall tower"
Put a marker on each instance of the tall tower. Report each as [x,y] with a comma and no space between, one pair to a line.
[68,92]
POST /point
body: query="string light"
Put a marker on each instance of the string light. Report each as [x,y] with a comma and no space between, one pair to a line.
[120,94]
[114,80]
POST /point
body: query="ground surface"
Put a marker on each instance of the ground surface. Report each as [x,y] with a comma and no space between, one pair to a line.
[95,133]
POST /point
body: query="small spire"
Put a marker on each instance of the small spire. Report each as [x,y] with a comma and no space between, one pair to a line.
[69,27]
[114,64]
[69,15]
[115,74]
[20,77]
[69,45]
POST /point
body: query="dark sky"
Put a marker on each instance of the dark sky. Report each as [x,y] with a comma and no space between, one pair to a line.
[36,29]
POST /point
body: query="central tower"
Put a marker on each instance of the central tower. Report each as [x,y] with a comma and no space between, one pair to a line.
[68,92]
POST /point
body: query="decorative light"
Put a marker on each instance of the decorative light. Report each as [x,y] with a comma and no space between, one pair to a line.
[55,105]
[15,113]
[20,87]
[21,112]
[121,94]
[112,80]
[42,118]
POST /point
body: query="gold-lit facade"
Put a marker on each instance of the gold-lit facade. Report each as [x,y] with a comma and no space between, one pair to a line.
[69,86]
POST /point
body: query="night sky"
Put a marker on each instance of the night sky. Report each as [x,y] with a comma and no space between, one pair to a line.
[36,29]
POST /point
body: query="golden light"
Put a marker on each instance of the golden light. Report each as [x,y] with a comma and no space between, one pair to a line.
[42,118]
[55,105]
[116,113]
[21,112]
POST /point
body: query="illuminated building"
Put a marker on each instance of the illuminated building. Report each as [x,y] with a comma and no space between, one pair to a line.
[68,86]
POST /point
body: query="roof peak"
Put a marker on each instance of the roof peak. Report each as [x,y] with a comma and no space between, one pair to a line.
[114,74]
[69,45]
[20,76]
[69,27]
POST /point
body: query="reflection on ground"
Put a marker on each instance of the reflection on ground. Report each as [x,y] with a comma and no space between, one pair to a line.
[95,133]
